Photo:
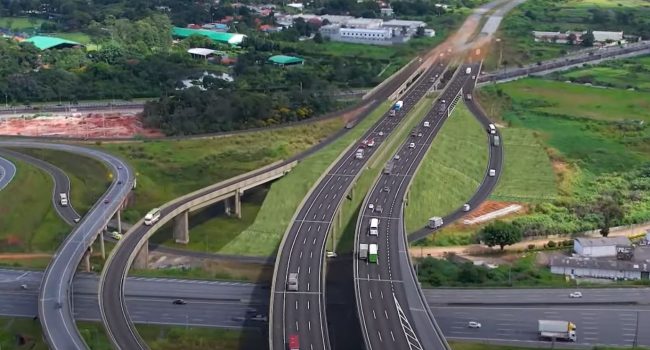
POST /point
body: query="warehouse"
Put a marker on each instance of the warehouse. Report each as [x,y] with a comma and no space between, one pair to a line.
[600,268]
[599,247]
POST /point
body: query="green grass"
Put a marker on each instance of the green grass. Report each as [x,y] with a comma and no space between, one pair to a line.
[579,101]
[89,178]
[624,74]
[28,222]
[527,171]
[451,171]
[264,235]
[457,345]
[20,23]
[171,168]
[79,37]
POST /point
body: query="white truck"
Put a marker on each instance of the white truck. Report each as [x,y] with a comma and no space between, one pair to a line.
[63,199]
[557,330]
[152,216]
[398,105]
[374,227]
[372,250]
[435,222]
[363,251]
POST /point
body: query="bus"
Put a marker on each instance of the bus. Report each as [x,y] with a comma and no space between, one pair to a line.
[374,227]
[152,216]
[372,256]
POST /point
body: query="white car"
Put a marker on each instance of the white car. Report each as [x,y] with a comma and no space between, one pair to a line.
[411,145]
[396,157]
[381,133]
[371,206]
[466,207]
[330,254]
[575,295]
[474,324]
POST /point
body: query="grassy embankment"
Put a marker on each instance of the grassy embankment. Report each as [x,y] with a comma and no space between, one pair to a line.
[633,73]
[28,221]
[516,36]
[451,171]
[157,337]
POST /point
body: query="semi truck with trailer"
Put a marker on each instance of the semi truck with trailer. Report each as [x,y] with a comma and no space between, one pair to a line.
[372,253]
[363,251]
[557,330]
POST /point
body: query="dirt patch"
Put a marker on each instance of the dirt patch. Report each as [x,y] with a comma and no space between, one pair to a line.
[489,207]
[87,125]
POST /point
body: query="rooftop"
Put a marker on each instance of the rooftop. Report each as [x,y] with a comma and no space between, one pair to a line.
[403,23]
[282,59]
[228,38]
[201,51]
[601,264]
[603,241]
[48,42]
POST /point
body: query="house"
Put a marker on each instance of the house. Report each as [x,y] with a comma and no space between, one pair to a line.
[600,268]
[199,52]
[297,5]
[364,23]
[219,27]
[599,247]
[558,37]
[267,28]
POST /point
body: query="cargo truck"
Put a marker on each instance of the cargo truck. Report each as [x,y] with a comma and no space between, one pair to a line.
[363,251]
[372,253]
[435,222]
[398,105]
[374,227]
[557,330]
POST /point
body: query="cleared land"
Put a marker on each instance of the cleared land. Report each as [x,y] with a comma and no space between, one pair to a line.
[263,236]
[28,222]
[89,178]
[451,171]
[579,101]
[527,171]
[171,168]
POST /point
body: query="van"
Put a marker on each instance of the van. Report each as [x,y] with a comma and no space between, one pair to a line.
[496,141]
[374,227]
[152,216]
[493,172]
[359,154]
[492,129]
[63,199]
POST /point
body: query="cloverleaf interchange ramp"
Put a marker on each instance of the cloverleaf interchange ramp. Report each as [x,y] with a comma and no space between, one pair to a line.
[7,172]
[55,299]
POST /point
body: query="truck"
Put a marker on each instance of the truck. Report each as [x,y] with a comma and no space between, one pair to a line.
[557,330]
[359,154]
[468,70]
[374,227]
[435,222]
[294,343]
[63,199]
[398,105]
[388,169]
[372,250]
[363,251]
[292,282]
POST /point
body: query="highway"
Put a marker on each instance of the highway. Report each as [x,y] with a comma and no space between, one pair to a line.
[55,299]
[113,306]
[7,172]
[61,184]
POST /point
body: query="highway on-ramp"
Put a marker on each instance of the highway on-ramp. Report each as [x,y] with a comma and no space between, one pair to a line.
[302,312]
[7,172]
[55,299]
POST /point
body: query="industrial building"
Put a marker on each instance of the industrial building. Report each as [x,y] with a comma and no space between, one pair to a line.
[226,38]
[600,268]
[50,42]
[599,247]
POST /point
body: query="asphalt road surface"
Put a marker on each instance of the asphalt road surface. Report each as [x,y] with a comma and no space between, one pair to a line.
[301,312]
[55,300]
[115,314]
[61,184]
[7,172]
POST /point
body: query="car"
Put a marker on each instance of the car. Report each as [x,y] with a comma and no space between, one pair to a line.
[371,143]
[77,220]
[260,317]
[106,201]
[492,172]
[23,286]
[412,145]
[119,167]
[386,189]
[379,209]
[474,324]
[396,157]
[466,207]
[179,302]
[575,295]
[419,134]
[119,182]
[116,235]
[414,133]
[381,133]
[331,254]
[371,206]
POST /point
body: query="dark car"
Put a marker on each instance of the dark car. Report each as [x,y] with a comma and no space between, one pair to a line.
[179,302]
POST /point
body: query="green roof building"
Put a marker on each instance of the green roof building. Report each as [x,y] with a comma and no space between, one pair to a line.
[226,38]
[50,42]
[283,60]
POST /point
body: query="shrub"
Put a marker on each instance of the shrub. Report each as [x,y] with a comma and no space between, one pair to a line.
[531,246]
[551,244]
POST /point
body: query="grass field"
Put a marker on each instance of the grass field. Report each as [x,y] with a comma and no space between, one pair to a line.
[625,74]
[263,236]
[527,171]
[89,178]
[157,337]
[451,171]
[20,23]
[456,345]
[579,101]
[79,37]
[28,222]
[168,169]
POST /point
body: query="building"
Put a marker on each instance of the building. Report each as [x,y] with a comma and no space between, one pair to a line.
[199,52]
[335,32]
[558,37]
[599,247]
[602,37]
[364,23]
[386,11]
[282,60]
[335,19]
[401,24]
[218,27]
[226,38]
[600,268]
[267,28]
[50,42]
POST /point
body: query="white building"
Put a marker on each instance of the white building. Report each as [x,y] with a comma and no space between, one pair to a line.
[599,247]
[366,34]
[607,36]
[600,268]
[364,23]
[399,24]
[336,19]
[386,11]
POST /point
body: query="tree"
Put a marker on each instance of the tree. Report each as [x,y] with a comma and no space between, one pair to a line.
[588,39]
[318,38]
[611,211]
[500,233]
[572,38]
[419,31]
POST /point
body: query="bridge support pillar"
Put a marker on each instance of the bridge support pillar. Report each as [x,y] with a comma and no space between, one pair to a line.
[87,260]
[181,228]
[238,204]
[142,259]
[119,221]
[101,244]
[233,205]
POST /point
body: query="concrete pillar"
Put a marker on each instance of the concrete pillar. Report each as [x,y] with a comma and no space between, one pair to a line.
[87,261]
[181,228]
[142,259]
[238,204]
[228,206]
[101,244]
[119,222]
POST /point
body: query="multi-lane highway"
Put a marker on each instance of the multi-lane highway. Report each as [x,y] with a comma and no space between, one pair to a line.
[61,184]
[302,312]
[7,172]
[55,299]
